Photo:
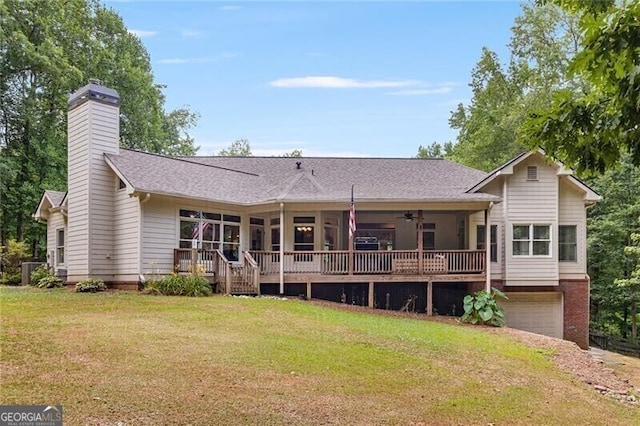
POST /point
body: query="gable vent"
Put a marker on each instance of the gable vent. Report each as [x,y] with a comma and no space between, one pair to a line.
[532,172]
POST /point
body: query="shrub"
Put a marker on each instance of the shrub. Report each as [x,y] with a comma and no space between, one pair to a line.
[11,279]
[482,308]
[42,271]
[90,285]
[50,281]
[179,285]
[11,256]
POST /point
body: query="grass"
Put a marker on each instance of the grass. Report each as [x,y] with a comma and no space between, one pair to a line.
[137,359]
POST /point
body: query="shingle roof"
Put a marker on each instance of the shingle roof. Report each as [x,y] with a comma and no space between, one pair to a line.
[254,180]
[56,197]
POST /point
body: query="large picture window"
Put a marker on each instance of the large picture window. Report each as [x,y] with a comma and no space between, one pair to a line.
[567,243]
[481,238]
[210,231]
[303,233]
[531,240]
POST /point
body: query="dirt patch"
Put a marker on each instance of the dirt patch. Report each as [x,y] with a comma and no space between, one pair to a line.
[566,355]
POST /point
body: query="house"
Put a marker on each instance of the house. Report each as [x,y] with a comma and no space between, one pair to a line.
[280,225]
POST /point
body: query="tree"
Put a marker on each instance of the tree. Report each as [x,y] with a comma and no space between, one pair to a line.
[611,224]
[435,150]
[632,282]
[294,153]
[543,38]
[238,148]
[591,127]
[48,49]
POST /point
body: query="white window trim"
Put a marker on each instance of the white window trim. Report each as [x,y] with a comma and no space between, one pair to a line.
[58,247]
[575,226]
[531,240]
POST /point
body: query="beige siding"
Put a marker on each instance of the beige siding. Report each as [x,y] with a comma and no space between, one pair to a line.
[93,130]
[126,235]
[159,235]
[532,202]
[78,194]
[496,218]
[55,221]
[572,211]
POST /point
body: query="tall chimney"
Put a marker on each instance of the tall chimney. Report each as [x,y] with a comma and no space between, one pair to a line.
[93,129]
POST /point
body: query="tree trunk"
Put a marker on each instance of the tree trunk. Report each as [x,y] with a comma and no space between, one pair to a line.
[634,317]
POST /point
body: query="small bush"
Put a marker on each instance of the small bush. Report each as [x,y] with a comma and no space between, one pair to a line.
[90,285]
[179,285]
[11,279]
[482,308]
[50,282]
[42,271]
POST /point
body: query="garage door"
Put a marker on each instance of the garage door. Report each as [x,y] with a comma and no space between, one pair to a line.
[535,312]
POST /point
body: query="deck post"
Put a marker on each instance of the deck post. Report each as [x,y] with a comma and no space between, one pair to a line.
[308,290]
[429,298]
[371,295]
[194,261]
[281,248]
[420,245]
[487,246]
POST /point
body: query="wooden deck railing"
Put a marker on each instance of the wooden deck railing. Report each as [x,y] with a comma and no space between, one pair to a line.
[373,262]
[233,278]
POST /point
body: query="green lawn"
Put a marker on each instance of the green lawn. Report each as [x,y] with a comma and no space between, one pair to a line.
[126,357]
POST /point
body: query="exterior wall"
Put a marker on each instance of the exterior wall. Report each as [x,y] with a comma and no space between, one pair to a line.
[93,130]
[496,218]
[160,234]
[576,306]
[55,221]
[126,235]
[532,202]
[572,211]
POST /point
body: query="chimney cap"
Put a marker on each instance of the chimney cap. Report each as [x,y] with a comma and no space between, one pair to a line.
[96,92]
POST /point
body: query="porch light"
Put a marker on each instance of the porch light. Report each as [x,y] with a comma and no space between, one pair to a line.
[304,228]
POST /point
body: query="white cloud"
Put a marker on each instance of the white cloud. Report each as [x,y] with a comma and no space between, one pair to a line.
[277,148]
[420,92]
[142,33]
[189,33]
[198,60]
[333,82]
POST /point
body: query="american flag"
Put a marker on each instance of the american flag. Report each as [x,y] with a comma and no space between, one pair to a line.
[195,234]
[352,216]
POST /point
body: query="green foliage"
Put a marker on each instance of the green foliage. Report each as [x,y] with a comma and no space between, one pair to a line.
[11,279]
[482,308]
[435,150]
[50,282]
[610,225]
[42,271]
[179,285]
[238,148]
[543,39]
[48,49]
[90,285]
[294,153]
[590,128]
[12,255]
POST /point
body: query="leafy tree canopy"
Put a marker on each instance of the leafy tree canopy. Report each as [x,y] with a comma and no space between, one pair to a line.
[590,127]
[47,50]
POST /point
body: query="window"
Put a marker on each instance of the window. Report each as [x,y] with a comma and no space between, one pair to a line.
[275,234]
[59,246]
[531,240]
[331,225]
[480,239]
[121,184]
[256,228]
[303,233]
[210,231]
[428,236]
[567,243]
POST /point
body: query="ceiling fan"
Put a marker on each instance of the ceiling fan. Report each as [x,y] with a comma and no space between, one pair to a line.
[407,216]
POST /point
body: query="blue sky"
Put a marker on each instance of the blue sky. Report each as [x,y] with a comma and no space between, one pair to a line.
[330,78]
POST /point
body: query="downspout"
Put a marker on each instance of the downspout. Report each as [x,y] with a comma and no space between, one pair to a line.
[281,248]
[487,246]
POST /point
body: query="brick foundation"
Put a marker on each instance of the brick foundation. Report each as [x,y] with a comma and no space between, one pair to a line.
[576,305]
